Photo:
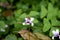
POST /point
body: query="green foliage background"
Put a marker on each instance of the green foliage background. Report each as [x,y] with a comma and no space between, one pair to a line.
[46,15]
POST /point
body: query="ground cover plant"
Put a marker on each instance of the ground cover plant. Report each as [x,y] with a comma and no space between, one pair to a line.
[46,14]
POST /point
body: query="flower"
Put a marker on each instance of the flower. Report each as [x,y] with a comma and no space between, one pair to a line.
[3,30]
[6,25]
[55,33]
[28,21]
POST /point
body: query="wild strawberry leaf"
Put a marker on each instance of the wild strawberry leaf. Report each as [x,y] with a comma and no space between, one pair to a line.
[11,37]
[43,12]
[33,13]
[24,15]
[50,11]
[47,25]
[54,21]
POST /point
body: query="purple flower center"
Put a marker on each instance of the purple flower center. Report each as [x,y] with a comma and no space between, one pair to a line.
[56,35]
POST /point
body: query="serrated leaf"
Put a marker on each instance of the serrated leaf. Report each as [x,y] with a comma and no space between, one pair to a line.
[11,37]
[47,25]
[52,12]
[33,13]
[43,12]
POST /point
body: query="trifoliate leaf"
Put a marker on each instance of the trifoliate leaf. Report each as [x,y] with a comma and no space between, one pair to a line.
[52,12]
[33,13]
[11,37]
[43,12]
[47,25]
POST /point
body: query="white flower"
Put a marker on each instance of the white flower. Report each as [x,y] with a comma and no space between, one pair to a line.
[59,36]
[55,33]
[6,25]
[53,37]
[23,23]
[29,21]
[3,30]
[32,24]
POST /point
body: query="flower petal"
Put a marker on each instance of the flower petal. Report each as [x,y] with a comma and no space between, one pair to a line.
[32,19]
[23,23]
[57,31]
[25,18]
[3,30]
[53,31]
[52,37]
[32,24]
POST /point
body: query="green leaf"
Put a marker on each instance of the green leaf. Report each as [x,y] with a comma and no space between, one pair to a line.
[54,21]
[37,29]
[50,11]
[3,0]
[35,21]
[25,7]
[33,13]
[18,5]
[58,14]
[18,12]
[18,26]
[11,1]
[43,12]
[47,25]
[2,24]
[20,39]
[0,10]
[11,37]
[10,19]
[24,15]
